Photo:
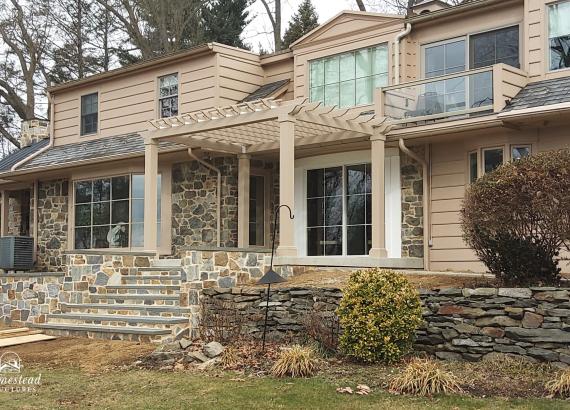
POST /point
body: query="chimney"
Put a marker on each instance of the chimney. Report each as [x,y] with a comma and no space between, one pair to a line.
[33,131]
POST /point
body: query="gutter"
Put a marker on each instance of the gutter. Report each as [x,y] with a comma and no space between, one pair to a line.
[426,186]
[218,194]
[51,136]
[399,37]
[476,4]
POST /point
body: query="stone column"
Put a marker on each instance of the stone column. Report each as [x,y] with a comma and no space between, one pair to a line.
[286,186]
[378,198]
[243,200]
[150,194]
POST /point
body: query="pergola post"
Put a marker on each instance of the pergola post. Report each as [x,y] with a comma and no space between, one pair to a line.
[243,200]
[286,185]
[150,194]
[4,210]
[378,249]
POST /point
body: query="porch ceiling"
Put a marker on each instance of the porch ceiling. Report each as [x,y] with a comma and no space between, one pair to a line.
[251,127]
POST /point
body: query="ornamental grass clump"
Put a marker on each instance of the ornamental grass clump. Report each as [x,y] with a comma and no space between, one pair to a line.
[424,377]
[378,314]
[517,218]
[296,361]
[229,358]
[559,387]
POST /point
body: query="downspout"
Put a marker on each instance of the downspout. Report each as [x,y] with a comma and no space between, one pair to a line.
[426,199]
[51,136]
[397,40]
[218,193]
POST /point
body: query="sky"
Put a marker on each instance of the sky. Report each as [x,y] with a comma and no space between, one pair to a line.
[259,31]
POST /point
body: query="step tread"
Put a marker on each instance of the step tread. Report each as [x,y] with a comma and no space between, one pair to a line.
[152,277]
[118,318]
[153,287]
[133,296]
[103,329]
[116,306]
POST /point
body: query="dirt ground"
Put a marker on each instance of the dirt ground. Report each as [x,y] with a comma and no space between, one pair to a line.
[335,278]
[91,356]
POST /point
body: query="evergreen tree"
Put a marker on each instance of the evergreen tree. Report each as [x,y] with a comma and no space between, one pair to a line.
[223,21]
[305,20]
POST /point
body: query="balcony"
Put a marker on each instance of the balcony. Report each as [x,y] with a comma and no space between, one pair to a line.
[453,96]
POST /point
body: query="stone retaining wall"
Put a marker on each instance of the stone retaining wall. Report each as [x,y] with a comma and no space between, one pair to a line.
[459,324]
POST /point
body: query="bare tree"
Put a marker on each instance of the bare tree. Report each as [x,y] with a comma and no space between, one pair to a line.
[24,40]
[360,5]
[404,6]
[275,19]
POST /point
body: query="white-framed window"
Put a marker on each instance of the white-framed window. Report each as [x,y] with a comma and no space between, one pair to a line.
[168,95]
[109,212]
[349,79]
[338,207]
[89,113]
[473,166]
[559,35]
[520,151]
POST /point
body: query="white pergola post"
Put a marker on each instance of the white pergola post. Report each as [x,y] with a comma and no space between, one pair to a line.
[286,185]
[243,200]
[378,249]
[5,209]
[150,194]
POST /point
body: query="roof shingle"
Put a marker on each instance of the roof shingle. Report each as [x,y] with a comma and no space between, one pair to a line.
[8,162]
[266,90]
[541,93]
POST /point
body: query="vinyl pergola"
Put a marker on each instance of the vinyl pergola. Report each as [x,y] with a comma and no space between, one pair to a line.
[260,126]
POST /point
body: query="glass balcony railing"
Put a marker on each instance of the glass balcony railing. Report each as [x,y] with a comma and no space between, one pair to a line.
[450,95]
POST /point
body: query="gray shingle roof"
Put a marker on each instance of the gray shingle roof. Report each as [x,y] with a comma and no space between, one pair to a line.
[7,163]
[541,93]
[93,150]
[265,90]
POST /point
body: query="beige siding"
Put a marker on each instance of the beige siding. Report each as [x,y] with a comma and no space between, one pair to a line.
[281,69]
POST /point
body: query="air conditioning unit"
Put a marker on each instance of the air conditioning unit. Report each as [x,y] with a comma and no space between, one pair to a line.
[16,253]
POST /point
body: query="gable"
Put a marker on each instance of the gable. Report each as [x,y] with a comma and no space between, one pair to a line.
[345,23]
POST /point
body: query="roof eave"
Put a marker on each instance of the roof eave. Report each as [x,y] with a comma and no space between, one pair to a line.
[453,10]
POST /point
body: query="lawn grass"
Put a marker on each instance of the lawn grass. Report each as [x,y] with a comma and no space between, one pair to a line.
[73,388]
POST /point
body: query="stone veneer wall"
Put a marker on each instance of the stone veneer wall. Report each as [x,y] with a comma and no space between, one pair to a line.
[194,204]
[412,206]
[53,197]
[459,324]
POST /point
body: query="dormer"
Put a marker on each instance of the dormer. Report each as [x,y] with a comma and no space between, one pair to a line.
[428,6]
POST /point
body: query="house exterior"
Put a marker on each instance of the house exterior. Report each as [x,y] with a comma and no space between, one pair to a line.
[369,128]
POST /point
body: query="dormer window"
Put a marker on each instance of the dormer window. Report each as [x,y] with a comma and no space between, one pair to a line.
[168,95]
[349,79]
[559,35]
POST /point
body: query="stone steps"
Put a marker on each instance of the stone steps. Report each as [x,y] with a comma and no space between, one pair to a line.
[132,319]
[153,289]
[133,333]
[161,269]
[134,296]
[140,308]
[152,277]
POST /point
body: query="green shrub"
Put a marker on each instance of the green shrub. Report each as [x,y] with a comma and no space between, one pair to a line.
[379,313]
[517,218]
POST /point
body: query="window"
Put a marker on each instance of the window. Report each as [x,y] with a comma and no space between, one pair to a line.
[109,212]
[441,59]
[339,207]
[89,113]
[168,95]
[257,210]
[518,152]
[559,35]
[349,79]
[324,211]
[358,209]
[473,167]
[492,159]
[498,46]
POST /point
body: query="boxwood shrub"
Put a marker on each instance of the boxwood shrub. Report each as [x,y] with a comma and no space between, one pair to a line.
[378,313]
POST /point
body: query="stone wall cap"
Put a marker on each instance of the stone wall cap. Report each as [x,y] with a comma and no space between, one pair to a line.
[112,252]
[221,249]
